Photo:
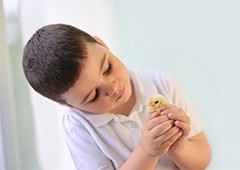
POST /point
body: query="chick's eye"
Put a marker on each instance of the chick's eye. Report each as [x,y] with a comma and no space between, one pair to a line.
[109,70]
[156,102]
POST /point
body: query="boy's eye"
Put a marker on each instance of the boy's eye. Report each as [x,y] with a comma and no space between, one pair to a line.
[96,96]
[109,70]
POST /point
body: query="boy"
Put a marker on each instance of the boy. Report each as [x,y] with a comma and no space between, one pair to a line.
[107,126]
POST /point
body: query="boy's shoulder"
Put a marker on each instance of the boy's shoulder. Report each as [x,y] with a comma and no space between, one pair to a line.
[154,75]
[153,80]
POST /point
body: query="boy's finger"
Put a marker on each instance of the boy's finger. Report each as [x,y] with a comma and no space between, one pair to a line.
[155,114]
[152,115]
[163,127]
[185,128]
[181,117]
[172,138]
[166,106]
[156,121]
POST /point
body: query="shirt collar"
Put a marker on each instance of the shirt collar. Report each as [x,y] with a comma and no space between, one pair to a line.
[95,119]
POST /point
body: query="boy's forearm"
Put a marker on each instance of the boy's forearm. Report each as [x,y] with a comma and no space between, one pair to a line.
[139,159]
[196,154]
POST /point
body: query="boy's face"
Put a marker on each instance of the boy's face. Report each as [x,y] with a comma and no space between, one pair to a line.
[104,84]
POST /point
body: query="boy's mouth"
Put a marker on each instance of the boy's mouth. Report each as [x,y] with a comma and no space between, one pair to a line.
[121,93]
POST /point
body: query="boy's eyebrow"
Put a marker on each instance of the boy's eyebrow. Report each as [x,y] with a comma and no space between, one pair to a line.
[102,64]
[103,61]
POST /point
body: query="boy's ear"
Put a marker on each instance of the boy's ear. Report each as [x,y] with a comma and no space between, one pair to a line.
[100,41]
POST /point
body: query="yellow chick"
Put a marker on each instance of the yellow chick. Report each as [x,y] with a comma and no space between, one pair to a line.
[155,103]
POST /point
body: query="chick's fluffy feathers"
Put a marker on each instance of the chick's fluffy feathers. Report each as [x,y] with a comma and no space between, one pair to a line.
[155,103]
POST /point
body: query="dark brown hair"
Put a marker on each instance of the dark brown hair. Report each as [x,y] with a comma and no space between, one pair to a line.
[53,59]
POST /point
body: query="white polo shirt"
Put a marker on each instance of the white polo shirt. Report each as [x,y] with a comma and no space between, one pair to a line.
[105,141]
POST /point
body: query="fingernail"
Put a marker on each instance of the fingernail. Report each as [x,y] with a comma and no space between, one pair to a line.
[170,115]
[155,114]
[163,113]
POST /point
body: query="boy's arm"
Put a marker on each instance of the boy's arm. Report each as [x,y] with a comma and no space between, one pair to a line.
[187,153]
[195,154]
[139,159]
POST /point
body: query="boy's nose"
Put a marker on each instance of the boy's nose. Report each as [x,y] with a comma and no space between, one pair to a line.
[110,88]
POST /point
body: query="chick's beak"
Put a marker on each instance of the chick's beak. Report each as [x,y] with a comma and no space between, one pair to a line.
[151,104]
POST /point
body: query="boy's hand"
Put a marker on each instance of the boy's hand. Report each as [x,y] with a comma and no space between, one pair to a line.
[181,120]
[158,134]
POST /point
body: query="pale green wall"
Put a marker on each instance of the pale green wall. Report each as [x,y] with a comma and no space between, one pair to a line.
[198,42]
[9,152]
[23,117]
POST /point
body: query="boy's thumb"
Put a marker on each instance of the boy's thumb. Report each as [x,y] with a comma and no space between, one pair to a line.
[152,115]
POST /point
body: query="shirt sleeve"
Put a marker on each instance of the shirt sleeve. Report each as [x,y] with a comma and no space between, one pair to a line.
[172,90]
[84,150]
